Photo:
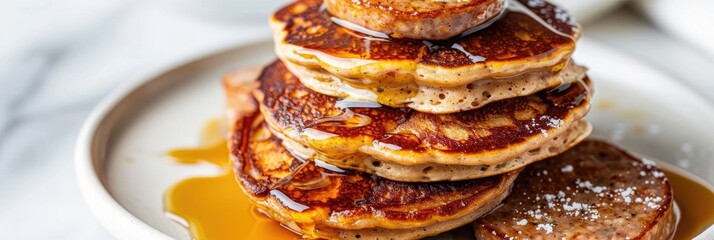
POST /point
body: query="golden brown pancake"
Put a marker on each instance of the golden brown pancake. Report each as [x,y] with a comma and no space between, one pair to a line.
[318,200]
[436,100]
[490,137]
[593,191]
[432,172]
[417,19]
[529,37]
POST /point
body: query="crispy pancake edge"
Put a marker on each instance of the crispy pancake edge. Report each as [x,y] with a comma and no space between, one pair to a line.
[439,100]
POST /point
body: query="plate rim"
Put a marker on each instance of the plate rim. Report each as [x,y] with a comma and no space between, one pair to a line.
[86,164]
[122,224]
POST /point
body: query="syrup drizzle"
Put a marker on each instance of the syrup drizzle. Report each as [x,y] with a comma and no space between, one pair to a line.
[288,179]
[318,135]
[293,179]
[519,7]
[369,35]
[367,38]
[503,13]
[288,202]
[346,118]
[346,103]
[311,184]
[472,57]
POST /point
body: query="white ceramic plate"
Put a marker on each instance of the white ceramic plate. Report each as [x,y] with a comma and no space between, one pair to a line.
[123,169]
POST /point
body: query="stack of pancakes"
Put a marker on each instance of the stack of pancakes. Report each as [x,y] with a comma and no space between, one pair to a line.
[404,119]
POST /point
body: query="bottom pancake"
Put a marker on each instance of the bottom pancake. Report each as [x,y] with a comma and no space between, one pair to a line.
[593,191]
[319,200]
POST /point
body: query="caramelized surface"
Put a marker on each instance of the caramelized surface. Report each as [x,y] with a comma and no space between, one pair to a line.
[340,132]
[516,37]
[593,191]
[421,8]
[314,194]
[420,19]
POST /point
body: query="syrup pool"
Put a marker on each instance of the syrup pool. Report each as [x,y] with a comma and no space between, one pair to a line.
[214,208]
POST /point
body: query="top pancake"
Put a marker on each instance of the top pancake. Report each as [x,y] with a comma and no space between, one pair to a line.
[417,19]
[517,43]
[490,135]
[593,191]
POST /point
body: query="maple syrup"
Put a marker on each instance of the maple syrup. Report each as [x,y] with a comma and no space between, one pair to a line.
[215,207]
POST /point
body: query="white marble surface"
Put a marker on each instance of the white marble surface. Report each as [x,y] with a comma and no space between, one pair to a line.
[58,58]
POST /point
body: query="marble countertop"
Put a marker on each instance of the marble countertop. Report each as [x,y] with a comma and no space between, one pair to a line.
[54,70]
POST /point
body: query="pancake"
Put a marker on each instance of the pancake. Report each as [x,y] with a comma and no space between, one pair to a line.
[440,172]
[318,200]
[238,86]
[417,19]
[594,191]
[529,37]
[501,136]
[436,100]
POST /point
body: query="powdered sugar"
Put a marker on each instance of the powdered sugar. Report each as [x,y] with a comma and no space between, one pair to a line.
[548,227]
[626,194]
[580,199]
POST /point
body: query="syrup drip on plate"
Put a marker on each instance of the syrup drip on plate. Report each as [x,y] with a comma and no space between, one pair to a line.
[695,203]
[214,208]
